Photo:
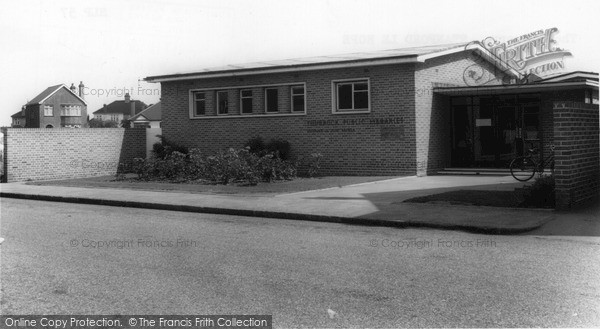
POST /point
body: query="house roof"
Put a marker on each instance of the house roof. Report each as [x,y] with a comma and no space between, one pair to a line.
[39,99]
[391,56]
[18,115]
[152,113]
[121,107]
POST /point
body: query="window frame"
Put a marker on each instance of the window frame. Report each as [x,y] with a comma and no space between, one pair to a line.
[66,110]
[292,95]
[335,96]
[51,106]
[218,101]
[257,90]
[267,89]
[195,100]
[242,98]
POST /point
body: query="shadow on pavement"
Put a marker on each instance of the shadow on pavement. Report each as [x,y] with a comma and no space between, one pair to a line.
[584,221]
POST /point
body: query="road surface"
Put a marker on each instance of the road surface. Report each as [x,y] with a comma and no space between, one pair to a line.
[61,258]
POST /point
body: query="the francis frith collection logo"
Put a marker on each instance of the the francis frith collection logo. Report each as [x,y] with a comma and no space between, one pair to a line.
[534,53]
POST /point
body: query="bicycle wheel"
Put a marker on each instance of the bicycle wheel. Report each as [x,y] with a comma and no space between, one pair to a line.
[522,168]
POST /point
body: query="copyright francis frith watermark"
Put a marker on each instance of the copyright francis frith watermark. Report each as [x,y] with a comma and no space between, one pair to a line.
[139,243]
[531,54]
[432,243]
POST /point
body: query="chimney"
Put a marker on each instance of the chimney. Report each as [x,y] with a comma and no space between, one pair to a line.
[127,98]
[73,89]
[132,108]
[81,87]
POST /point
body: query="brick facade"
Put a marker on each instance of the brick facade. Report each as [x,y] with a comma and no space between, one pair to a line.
[45,154]
[376,143]
[432,110]
[577,153]
[406,129]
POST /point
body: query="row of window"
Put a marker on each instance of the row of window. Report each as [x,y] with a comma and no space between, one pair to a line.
[351,96]
[66,110]
[246,101]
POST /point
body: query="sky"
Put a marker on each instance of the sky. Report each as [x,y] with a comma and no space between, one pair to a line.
[112,45]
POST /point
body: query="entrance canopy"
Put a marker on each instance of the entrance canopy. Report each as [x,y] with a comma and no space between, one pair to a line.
[515,89]
[491,125]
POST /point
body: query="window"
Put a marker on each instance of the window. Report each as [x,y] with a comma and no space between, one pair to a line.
[114,117]
[297,98]
[588,97]
[48,110]
[246,101]
[199,104]
[70,110]
[352,96]
[222,102]
[271,100]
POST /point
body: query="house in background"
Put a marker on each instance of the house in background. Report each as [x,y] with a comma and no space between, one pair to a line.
[18,119]
[148,118]
[57,106]
[120,110]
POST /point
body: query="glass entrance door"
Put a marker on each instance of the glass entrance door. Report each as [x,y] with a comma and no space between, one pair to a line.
[496,135]
[490,132]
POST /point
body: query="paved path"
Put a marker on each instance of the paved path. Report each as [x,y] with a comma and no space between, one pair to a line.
[376,203]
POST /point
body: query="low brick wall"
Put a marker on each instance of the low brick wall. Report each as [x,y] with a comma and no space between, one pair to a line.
[45,154]
[577,153]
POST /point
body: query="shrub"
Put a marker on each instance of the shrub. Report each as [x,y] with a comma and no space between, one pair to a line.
[232,165]
[314,164]
[278,147]
[97,123]
[540,193]
[165,147]
[255,145]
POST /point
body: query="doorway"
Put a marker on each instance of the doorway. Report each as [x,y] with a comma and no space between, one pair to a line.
[488,132]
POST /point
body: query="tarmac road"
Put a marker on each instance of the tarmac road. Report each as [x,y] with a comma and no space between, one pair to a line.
[61,258]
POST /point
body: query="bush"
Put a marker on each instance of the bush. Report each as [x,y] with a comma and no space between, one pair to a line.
[314,164]
[278,147]
[232,165]
[540,194]
[255,145]
[97,123]
[164,148]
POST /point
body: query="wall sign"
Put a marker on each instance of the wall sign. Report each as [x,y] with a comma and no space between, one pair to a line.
[483,122]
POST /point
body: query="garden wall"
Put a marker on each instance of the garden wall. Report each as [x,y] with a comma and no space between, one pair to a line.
[577,153]
[44,154]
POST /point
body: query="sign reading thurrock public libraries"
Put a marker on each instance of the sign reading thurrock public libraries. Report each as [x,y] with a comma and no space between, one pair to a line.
[531,53]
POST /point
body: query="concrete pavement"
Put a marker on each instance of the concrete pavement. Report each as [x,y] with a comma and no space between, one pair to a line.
[376,203]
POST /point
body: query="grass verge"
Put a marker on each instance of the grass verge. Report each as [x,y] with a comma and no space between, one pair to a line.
[277,187]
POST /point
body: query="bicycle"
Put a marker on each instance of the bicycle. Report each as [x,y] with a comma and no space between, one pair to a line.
[523,168]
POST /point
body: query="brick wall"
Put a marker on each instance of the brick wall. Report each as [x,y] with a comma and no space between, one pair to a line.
[43,154]
[376,143]
[433,111]
[577,153]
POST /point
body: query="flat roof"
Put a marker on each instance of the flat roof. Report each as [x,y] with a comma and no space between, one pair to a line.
[391,56]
